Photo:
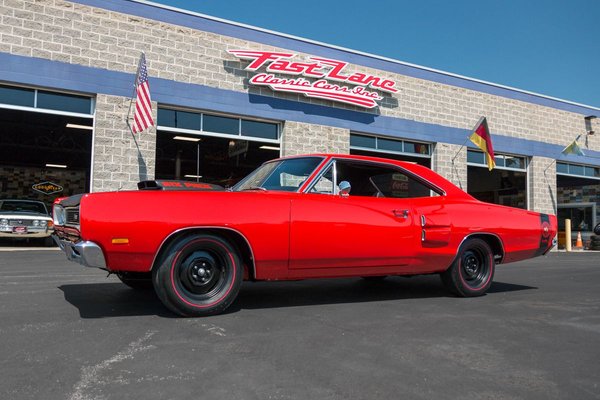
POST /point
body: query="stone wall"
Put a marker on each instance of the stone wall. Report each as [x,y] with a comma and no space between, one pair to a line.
[79,34]
[120,158]
[542,185]
[450,161]
[301,138]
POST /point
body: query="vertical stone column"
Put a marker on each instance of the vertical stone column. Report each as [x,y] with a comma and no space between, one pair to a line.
[453,170]
[542,185]
[120,159]
[301,138]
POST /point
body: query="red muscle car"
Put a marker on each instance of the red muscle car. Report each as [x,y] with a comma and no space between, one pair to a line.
[301,217]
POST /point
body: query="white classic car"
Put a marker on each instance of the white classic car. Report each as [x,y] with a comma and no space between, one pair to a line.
[25,219]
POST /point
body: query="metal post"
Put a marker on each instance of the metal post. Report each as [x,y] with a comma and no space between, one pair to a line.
[568,243]
[198,164]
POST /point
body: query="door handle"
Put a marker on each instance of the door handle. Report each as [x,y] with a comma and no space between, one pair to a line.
[400,213]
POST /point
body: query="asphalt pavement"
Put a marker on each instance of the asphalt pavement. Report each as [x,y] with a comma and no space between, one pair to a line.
[68,332]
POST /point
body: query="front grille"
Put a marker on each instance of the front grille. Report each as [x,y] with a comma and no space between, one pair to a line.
[20,222]
[72,216]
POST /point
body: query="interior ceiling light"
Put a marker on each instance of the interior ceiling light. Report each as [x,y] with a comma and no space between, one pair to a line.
[77,126]
[187,138]
[269,148]
[56,166]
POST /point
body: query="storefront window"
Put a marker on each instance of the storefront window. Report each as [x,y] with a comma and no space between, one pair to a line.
[578,195]
[212,148]
[259,129]
[47,100]
[217,124]
[396,149]
[64,102]
[17,96]
[506,184]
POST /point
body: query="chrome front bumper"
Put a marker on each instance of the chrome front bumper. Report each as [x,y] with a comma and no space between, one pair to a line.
[88,254]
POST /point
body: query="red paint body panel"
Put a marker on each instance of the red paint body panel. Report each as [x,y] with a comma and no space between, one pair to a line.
[306,235]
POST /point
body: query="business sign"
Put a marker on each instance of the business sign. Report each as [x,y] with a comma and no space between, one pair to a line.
[47,188]
[330,80]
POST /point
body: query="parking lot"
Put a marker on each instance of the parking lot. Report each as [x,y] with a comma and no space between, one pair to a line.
[72,333]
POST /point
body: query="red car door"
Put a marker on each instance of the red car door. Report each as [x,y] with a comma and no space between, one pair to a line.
[331,231]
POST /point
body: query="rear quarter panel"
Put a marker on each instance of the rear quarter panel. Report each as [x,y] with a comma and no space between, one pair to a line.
[520,231]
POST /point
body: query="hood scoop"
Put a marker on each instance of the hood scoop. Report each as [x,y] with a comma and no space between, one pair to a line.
[179,186]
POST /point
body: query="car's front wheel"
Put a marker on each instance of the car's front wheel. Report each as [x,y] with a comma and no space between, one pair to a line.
[472,271]
[198,275]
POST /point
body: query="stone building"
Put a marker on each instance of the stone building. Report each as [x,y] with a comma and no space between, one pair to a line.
[67,71]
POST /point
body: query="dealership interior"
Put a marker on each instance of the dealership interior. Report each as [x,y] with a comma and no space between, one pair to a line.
[47,137]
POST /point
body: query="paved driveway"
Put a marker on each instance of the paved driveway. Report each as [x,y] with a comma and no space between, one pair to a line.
[71,333]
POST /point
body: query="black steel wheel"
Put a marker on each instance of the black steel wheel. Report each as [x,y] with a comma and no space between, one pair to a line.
[136,280]
[198,275]
[472,271]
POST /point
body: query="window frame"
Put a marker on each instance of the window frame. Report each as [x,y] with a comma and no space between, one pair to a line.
[568,173]
[333,164]
[376,149]
[499,155]
[35,108]
[202,132]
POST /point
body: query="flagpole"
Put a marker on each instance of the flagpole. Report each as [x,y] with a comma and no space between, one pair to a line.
[467,139]
[137,75]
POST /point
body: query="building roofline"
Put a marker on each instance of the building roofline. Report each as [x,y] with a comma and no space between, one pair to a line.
[361,53]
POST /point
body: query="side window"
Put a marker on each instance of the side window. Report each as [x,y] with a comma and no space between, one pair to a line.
[325,184]
[375,180]
[400,185]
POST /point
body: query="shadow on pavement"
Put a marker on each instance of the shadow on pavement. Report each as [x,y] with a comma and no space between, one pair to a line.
[103,300]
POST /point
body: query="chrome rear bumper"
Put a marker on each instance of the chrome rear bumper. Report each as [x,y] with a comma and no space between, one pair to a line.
[88,254]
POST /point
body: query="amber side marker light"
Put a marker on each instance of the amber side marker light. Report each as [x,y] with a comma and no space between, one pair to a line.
[120,241]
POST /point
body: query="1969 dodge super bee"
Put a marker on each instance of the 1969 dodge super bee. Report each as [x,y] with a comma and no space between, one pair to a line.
[299,217]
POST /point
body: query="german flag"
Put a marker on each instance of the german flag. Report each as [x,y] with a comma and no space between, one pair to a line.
[482,139]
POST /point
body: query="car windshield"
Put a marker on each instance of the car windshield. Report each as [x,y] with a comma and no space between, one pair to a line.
[19,206]
[285,175]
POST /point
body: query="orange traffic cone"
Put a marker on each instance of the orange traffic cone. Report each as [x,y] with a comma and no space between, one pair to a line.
[579,243]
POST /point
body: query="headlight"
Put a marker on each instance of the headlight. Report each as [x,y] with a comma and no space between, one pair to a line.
[58,215]
[36,222]
[43,223]
[3,221]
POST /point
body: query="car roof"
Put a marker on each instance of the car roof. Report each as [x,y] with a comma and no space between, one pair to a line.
[419,170]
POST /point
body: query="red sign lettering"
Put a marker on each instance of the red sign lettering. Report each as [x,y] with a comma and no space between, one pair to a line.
[324,69]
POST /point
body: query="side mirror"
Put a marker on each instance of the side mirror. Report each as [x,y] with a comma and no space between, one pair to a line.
[344,188]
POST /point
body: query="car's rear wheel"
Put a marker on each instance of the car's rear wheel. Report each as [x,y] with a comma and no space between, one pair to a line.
[198,275]
[472,271]
[136,280]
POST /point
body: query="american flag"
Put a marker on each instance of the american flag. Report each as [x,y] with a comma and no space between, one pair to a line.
[142,118]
